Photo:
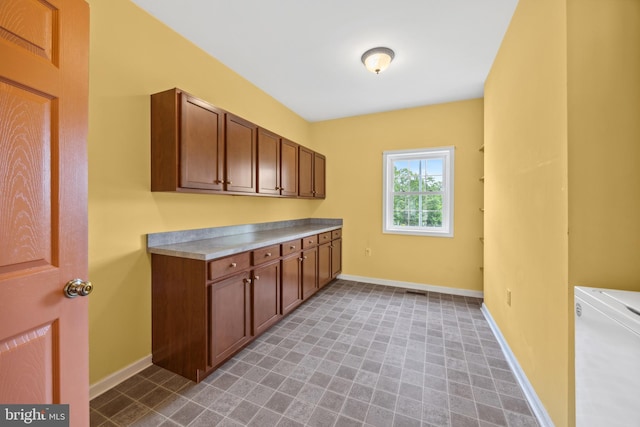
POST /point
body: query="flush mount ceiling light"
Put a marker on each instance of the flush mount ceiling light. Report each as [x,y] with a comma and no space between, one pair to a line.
[377,59]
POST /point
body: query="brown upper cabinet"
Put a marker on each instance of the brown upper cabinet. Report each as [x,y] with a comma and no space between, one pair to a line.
[241,137]
[277,165]
[187,143]
[312,169]
[197,147]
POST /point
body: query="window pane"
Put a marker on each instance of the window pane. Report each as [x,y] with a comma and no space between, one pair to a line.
[434,166]
[406,210]
[432,183]
[402,177]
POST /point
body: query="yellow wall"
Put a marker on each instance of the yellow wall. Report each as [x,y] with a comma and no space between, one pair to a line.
[562,161]
[354,149]
[604,147]
[526,218]
[132,56]
[604,143]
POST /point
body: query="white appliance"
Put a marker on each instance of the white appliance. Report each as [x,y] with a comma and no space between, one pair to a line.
[607,357]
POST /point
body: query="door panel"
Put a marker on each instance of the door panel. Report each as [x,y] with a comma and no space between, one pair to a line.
[229,302]
[268,163]
[241,155]
[291,291]
[305,178]
[324,264]
[309,272]
[43,199]
[201,145]
[266,297]
[288,168]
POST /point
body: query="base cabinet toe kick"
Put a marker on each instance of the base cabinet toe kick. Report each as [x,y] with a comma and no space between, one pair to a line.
[204,312]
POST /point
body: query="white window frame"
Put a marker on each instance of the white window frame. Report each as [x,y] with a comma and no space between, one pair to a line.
[447,156]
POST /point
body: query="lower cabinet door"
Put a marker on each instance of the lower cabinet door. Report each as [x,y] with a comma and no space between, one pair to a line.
[309,272]
[324,264]
[266,297]
[336,258]
[291,283]
[229,317]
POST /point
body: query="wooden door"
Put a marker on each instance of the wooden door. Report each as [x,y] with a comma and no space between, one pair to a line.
[288,168]
[241,138]
[230,317]
[201,144]
[336,258]
[266,297]
[291,280]
[43,203]
[324,264]
[305,177]
[309,272]
[319,165]
[268,162]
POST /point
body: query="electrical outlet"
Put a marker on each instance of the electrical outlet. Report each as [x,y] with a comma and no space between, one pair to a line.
[509,297]
[367,251]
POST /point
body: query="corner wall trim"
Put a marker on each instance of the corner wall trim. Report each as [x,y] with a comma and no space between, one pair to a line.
[116,378]
[411,285]
[536,405]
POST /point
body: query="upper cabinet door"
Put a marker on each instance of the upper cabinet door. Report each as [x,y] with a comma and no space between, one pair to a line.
[268,162]
[305,180]
[201,145]
[241,155]
[319,165]
[288,168]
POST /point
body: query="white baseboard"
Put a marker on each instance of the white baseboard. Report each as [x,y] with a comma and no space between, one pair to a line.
[536,405]
[411,285]
[116,378]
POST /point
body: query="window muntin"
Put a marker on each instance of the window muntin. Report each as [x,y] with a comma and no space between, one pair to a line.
[418,192]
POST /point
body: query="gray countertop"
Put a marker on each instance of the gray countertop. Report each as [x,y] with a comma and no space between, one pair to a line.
[211,243]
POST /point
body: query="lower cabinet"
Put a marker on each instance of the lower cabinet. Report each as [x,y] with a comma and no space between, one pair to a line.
[203,312]
[291,282]
[229,317]
[309,272]
[266,297]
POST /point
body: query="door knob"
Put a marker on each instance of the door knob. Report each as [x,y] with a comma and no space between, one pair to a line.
[77,287]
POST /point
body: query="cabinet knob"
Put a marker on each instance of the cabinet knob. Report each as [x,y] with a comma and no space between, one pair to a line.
[233,265]
[292,247]
[247,281]
[268,254]
[256,278]
[300,259]
[304,257]
[282,188]
[228,182]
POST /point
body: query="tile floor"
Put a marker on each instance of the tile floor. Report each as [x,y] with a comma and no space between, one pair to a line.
[355,354]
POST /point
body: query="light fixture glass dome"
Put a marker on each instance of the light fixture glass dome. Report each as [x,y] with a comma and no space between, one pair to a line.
[377,59]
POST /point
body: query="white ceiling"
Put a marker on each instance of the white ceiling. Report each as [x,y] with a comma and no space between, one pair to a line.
[306,54]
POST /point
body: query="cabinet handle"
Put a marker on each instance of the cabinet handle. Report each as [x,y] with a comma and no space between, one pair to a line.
[292,247]
[278,188]
[247,281]
[268,254]
[229,182]
[282,188]
[300,259]
[256,278]
[233,265]
[304,257]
